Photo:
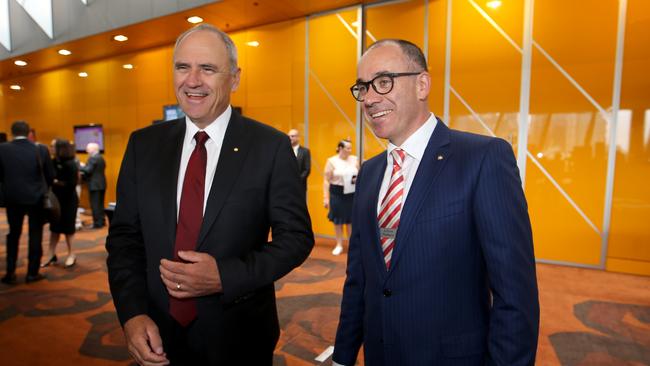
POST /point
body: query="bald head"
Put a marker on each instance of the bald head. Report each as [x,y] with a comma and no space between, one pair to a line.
[294,136]
[92,148]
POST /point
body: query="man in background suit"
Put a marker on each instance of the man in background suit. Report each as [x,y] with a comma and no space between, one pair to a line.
[441,268]
[24,188]
[94,174]
[302,155]
[190,266]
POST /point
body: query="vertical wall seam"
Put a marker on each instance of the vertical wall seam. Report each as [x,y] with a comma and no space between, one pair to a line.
[425,41]
[306,111]
[524,92]
[361,42]
[613,125]
[445,117]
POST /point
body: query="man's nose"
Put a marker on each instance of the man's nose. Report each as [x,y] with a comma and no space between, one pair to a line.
[194,77]
[371,97]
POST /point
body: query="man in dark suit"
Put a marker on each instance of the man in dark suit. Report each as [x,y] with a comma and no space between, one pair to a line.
[302,155]
[440,268]
[25,180]
[94,174]
[190,266]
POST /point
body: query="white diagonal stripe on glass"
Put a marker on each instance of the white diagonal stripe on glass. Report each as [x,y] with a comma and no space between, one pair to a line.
[495,25]
[539,165]
[582,91]
[573,82]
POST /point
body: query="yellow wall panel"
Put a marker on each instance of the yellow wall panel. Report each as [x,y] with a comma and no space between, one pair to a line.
[629,245]
[559,232]
[436,55]
[331,106]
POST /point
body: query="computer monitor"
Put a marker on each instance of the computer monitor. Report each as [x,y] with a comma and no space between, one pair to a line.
[85,134]
[172,111]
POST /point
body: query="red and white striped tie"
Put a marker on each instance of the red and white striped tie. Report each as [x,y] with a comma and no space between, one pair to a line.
[391,207]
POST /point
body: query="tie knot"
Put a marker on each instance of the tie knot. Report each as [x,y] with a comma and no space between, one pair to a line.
[398,156]
[201,137]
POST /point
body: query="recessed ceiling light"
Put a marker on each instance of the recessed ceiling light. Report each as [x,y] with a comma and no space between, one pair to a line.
[195,19]
[64,52]
[253,43]
[127,66]
[20,63]
[83,74]
[120,38]
[493,4]
[15,87]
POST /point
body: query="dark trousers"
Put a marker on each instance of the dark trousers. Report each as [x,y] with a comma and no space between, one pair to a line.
[97,205]
[15,216]
[191,346]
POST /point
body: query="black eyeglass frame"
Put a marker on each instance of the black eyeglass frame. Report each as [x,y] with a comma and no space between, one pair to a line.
[367,84]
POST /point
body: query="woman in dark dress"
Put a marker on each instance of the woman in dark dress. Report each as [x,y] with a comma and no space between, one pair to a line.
[65,180]
[338,190]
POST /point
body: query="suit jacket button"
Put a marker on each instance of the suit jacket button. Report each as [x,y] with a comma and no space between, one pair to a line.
[387,292]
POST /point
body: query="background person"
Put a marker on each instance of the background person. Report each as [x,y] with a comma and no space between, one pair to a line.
[190,266]
[302,155]
[338,190]
[25,181]
[94,174]
[66,176]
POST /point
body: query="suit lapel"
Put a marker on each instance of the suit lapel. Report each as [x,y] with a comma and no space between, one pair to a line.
[169,179]
[236,144]
[434,159]
[375,177]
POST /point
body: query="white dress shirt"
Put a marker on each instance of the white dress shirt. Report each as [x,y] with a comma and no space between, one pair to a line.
[216,130]
[414,147]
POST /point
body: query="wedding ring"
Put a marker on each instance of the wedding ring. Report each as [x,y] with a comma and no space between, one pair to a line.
[178,286]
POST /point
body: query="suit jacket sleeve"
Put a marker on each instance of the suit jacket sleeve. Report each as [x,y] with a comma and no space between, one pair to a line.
[292,235]
[126,253]
[349,335]
[48,167]
[505,235]
[307,164]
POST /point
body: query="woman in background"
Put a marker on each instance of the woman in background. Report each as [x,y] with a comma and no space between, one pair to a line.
[66,176]
[338,190]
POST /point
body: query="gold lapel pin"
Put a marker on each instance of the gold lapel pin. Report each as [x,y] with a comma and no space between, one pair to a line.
[235,149]
[440,157]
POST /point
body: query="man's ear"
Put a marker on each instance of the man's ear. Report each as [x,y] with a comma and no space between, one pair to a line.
[423,85]
[235,80]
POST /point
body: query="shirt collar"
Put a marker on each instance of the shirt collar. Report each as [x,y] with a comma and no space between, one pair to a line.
[216,130]
[20,137]
[415,144]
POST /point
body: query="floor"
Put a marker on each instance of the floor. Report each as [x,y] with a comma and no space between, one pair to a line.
[588,317]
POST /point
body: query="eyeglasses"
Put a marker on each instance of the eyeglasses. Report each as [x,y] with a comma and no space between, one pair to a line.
[382,83]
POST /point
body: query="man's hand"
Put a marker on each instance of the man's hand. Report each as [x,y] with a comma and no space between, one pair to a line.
[198,277]
[143,341]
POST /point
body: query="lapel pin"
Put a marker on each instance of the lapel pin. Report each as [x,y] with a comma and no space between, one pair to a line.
[440,157]
[235,149]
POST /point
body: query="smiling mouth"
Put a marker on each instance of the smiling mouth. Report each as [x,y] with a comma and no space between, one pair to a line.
[381,113]
[195,95]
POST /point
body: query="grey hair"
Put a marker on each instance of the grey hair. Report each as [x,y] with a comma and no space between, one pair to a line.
[412,52]
[230,45]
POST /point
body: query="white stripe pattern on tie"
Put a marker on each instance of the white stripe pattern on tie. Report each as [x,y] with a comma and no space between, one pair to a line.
[391,206]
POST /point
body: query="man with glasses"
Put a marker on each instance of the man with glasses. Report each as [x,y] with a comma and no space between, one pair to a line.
[440,268]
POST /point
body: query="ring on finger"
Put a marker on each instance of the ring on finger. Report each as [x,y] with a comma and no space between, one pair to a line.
[178,286]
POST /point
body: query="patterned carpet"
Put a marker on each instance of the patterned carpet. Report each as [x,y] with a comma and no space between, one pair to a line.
[588,317]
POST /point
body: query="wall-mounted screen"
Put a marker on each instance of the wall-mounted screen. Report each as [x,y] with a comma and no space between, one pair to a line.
[85,134]
[172,111]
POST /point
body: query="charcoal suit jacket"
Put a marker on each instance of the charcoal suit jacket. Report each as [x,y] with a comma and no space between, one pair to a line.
[253,192]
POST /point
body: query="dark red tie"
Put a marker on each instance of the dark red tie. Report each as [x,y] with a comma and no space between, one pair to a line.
[190,217]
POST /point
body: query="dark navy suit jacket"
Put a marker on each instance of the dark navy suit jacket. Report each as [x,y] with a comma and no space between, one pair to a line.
[462,288]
